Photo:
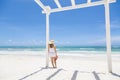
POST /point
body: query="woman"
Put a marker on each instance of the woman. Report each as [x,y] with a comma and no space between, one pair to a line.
[52,53]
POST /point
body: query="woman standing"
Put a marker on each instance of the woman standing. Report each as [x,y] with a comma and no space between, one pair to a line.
[52,53]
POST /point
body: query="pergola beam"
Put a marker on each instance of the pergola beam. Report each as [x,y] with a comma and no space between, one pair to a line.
[58,3]
[47,10]
[79,6]
[73,2]
[88,1]
[40,4]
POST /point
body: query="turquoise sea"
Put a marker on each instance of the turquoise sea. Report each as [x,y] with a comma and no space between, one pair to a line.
[64,49]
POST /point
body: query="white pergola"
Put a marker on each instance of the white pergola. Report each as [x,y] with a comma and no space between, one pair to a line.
[48,10]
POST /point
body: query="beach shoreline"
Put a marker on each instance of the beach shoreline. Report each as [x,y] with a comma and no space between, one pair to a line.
[16,65]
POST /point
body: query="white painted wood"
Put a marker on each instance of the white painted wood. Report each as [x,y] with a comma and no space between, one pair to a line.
[80,6]
[57,3]
[40,4]
[73,2]
[47,38]
[48,10]
[108,37]
[88,1]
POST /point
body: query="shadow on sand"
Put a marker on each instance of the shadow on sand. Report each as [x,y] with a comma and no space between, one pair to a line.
[114,74]
[32,73]
[73,77]
[94,73]
[54,74]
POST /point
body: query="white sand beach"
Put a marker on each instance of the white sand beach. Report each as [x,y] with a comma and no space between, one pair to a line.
[16,66]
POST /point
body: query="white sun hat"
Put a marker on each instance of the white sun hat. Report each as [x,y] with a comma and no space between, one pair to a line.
[51,41]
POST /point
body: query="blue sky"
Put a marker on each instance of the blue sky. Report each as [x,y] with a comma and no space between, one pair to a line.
[22,23]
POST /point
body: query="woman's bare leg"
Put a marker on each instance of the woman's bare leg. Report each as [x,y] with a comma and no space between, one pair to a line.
[52,61]
[55,62]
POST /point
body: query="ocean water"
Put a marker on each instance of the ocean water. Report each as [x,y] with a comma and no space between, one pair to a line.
[64,49]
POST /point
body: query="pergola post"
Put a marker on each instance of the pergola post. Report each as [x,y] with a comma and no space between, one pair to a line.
[108,36]
[47,10]
[47,38]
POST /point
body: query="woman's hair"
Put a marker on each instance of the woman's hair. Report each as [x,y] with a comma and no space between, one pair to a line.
[51,45]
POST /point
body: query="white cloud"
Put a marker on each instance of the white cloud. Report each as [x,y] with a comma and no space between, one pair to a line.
[100,41]
[41,42]
[68,42]
[57,41]
[115,24]
[114,40]
[62,42]
[9,40]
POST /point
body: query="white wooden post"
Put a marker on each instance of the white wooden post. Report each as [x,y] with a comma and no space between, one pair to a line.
[57,3]
[47,10]
[73,2]
[47,38]
[108,37]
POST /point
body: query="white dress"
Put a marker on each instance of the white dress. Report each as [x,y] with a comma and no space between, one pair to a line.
[52,52]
